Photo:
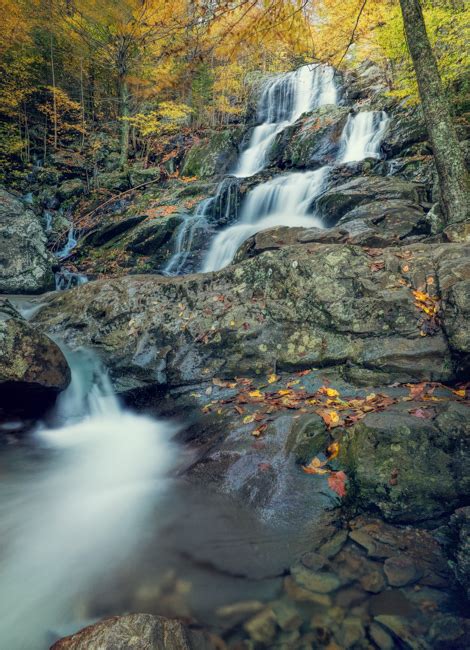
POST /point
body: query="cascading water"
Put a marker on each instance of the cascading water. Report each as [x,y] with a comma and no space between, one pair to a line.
[285,200]
[362,136]
[198,228]
[198,221]
[284,99]
[69,244]
[78,516]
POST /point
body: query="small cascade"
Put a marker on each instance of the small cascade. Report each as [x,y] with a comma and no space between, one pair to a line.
[363,135]
[78,514]
[65,279]
[194,224]
[69,244]
[284,99]
[286,200]
[197,229]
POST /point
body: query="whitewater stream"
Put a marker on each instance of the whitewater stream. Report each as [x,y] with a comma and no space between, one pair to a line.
[75,513]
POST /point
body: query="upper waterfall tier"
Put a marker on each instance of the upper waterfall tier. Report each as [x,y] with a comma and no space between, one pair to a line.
[284,99]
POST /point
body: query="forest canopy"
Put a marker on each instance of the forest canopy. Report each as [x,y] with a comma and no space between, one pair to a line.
[143,69]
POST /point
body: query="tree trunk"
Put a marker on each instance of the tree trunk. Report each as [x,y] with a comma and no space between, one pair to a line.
[450,163]
[124,113]
[54,98]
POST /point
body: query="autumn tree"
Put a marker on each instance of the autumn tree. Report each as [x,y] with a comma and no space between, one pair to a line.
[449,158]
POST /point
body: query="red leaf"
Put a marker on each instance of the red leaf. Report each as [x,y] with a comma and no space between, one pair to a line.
[425,414]
[336,482]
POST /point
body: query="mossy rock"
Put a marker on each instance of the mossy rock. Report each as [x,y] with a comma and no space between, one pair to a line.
[214,155]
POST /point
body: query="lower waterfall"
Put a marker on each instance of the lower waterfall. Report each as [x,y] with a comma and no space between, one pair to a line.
[102,468]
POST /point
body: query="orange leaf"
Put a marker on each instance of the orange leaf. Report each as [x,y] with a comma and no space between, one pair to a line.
[336,482]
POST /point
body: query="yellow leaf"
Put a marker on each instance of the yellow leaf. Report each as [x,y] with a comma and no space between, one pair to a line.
[284,392]
[256,393]
[331,392]
[272,379]
[461,392]
[248,419]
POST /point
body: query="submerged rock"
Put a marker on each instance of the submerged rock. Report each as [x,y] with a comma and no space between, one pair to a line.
[25,263]
[137,632]
[299,307]
[33,369]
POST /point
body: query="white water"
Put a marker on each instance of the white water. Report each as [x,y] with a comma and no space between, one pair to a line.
[69,524]
[66,279]
[284,99]
[69,244]
[185,237]
[284,201]
[362,136]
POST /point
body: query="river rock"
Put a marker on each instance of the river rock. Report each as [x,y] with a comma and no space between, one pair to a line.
[401,571]
[33,369]
[409,468]
[299,307]
[25,263]
[137,632]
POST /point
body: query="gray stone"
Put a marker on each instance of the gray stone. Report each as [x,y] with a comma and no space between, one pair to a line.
[25,263]
[401,570]
[137,632]
[317,581]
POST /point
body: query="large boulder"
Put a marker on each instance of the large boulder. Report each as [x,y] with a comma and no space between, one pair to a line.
[338,200]
[410,462]
[213,155]
[25,263]
[298,307]
[33,369]
[137,632]
[312,141]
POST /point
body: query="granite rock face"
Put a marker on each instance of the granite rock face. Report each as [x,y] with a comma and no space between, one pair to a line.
[25,263]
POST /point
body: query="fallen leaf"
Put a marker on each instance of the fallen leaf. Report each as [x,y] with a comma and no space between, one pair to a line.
[337,483]
[256,394]
[333,450]
[259,430]
[460,392]
[273,378]
[248,419]
[425,414]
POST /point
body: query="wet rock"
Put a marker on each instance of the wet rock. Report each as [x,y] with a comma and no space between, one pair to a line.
[139,632]
[373,582]
[300,594]
[448,631]
[401,570]
[25,263]
[339,200]
[333,546]
[428,457]
[33,369]
[262,627]
[313,140]
[313,561]
[317,581]
[153,237]
[286,614]
[380,637]
[352,631]
[299,307]
[411,636]
[460,547]
[104,234]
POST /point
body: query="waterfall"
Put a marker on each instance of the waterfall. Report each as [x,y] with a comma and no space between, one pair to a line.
[362,135]
[284,99]
[198,221]
[287,200]
[197,229]
[284,201]
[77,515]
[66,279]
[69,244]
